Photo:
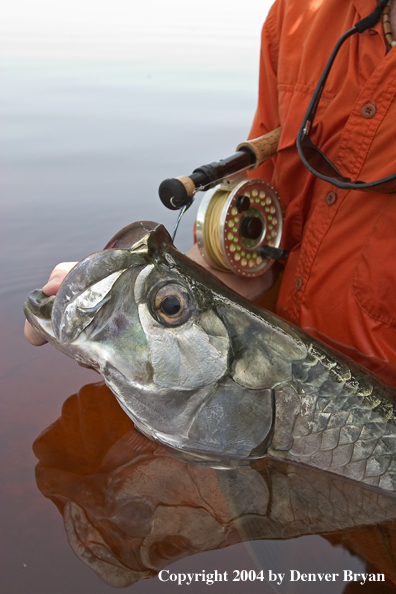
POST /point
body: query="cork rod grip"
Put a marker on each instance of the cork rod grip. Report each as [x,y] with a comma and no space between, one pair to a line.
[263,147]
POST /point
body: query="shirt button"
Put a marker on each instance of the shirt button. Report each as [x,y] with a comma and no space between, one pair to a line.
[368,110]
[331,198]
[298,283]
[373,32]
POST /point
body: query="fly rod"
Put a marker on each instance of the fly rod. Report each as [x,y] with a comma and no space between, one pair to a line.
[176,193]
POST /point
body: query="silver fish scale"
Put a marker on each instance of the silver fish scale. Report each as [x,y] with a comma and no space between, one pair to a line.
[343,424]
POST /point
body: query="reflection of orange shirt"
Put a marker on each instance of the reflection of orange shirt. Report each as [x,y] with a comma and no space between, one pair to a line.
[340,278]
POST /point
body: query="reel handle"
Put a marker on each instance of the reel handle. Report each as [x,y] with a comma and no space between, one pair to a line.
[178,192]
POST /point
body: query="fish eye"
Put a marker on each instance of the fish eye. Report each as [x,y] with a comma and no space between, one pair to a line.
[171,305]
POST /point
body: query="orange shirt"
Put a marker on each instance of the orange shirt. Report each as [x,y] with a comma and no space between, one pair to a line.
[340,278]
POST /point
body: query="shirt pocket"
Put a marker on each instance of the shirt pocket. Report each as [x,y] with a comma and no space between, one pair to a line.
[374,279]
[293,101]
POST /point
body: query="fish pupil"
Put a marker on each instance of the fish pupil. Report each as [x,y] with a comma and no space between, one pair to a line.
[171,305]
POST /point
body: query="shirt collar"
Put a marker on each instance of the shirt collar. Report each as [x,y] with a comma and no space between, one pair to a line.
[364,7]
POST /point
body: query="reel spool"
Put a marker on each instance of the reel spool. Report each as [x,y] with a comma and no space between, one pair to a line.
[236,223]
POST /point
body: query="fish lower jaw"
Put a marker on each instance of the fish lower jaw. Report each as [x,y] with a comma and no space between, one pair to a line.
[42,326]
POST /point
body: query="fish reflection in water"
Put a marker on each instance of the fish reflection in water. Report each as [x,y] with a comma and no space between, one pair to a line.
[130,508]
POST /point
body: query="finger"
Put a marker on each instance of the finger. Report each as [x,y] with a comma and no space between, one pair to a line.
[51,288]
[57,276]
[33,336]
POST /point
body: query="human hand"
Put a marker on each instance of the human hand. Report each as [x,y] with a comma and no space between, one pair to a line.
[51,288]
[250,288]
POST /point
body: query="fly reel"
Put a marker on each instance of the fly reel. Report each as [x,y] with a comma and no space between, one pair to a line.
[239,227]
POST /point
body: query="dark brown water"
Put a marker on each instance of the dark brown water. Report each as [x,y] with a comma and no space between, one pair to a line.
[84,146]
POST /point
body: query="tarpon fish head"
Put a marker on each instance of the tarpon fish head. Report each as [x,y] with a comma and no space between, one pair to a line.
[192,364]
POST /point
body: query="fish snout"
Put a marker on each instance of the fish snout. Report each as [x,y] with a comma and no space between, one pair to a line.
[40,304]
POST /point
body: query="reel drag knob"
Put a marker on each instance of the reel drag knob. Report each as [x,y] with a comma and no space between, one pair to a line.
[251,228]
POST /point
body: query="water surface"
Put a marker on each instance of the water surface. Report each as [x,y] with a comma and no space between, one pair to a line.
[96,110]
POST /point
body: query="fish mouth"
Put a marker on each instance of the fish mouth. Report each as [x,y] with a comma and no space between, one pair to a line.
[38,312]
[40,304]
[130,235]
[87,287]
